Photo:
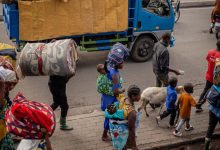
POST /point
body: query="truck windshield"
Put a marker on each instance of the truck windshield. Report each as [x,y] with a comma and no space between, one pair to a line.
[158,7]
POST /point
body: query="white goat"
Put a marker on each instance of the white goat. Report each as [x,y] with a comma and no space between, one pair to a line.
[155,96]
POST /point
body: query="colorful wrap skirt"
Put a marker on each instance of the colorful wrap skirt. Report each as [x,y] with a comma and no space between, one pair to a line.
[119,133]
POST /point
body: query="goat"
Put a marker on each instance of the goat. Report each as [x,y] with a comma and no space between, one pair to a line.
[155,97]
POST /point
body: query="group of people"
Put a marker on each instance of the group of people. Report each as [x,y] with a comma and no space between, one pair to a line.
[120,113]
[211,91]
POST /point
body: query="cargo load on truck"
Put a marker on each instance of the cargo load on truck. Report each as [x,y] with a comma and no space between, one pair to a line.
[47,19]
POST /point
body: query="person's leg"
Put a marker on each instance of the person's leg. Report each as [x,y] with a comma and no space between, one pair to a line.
[58,86]
[172,117]
[165,114]
[164,79]
[201,101]
[55,103]
[178,128]
[213,120]
[105,136]
[158,82]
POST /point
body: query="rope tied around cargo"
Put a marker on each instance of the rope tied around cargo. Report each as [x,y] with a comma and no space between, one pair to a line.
[38,51]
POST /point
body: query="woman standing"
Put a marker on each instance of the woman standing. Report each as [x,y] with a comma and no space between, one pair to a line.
[123,129]
[113,64]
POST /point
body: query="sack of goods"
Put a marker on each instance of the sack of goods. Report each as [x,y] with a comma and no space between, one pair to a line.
[26,118]
[57,58]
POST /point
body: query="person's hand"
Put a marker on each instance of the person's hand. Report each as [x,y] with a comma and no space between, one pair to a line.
[44,131]
[177,72]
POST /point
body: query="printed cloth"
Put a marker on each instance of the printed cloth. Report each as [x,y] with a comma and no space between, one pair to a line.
[9,53]
[117,55]
[6,143]
[104,85]
[57,58]
[26,118]
[119,133]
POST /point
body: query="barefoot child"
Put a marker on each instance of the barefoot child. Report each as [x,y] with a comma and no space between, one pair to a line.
[185,101]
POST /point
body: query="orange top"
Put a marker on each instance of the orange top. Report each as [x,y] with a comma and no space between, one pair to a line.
[186,101]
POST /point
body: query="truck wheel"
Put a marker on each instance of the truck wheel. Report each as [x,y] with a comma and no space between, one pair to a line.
[143,49]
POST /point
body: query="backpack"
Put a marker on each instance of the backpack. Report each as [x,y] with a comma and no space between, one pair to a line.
[213,97]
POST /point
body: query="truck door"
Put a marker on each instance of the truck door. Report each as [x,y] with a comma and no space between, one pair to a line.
[155,15]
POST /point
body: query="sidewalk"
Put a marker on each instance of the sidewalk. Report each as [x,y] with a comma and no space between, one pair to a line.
[88,130]
[184,4]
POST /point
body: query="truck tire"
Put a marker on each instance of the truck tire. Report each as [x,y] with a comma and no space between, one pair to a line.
[142,49]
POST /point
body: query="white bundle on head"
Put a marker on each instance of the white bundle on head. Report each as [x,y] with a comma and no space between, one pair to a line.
[7,75]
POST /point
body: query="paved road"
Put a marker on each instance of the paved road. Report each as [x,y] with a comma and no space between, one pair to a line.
[192,43]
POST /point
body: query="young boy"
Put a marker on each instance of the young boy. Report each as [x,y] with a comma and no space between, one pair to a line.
[170,102]
[185,101]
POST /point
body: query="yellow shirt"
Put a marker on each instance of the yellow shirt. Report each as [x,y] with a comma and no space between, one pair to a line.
[186,101]
[127,107]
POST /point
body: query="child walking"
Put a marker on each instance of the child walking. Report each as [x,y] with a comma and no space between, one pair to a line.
[170,102]
[185,101]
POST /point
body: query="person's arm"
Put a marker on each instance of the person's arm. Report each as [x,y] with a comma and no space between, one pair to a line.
[131,128]
[173,99]
[116,85]
[164,62]
[192,102]
[47,139]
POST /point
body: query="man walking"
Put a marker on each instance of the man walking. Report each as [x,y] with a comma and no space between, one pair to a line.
[57,85]
[213,54]
[161,61]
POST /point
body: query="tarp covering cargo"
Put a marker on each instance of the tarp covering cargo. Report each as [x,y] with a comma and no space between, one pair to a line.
[46,19]
[57,58]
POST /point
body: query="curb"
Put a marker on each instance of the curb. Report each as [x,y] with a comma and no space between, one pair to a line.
[182,5]
[180,142]
[197,4]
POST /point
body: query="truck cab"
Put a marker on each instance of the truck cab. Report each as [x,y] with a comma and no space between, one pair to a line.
[152,19]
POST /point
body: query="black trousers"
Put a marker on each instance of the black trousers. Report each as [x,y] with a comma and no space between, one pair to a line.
[208,85]
[172,113]
[57,86]
[213,120]
[161,80]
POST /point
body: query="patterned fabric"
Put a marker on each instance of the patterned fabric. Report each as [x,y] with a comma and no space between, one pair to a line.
[57,58]
[9,53]
[117,55]
[104,85]
[216,78]
[124,105]
[119,133]
[26,118]
[3,129]
[6,143]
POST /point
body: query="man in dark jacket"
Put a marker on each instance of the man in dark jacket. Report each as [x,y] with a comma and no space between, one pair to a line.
[161,61]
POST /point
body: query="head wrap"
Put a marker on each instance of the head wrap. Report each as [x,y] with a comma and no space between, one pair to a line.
[117,55]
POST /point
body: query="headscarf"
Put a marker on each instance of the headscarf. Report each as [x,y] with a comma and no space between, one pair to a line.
[7,75]
[117,55]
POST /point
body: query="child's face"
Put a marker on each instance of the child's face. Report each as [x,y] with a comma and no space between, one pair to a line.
[102,71]
[136,98]
[111,109]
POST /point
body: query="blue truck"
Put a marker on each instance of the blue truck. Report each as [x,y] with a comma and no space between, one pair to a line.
[148,20]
